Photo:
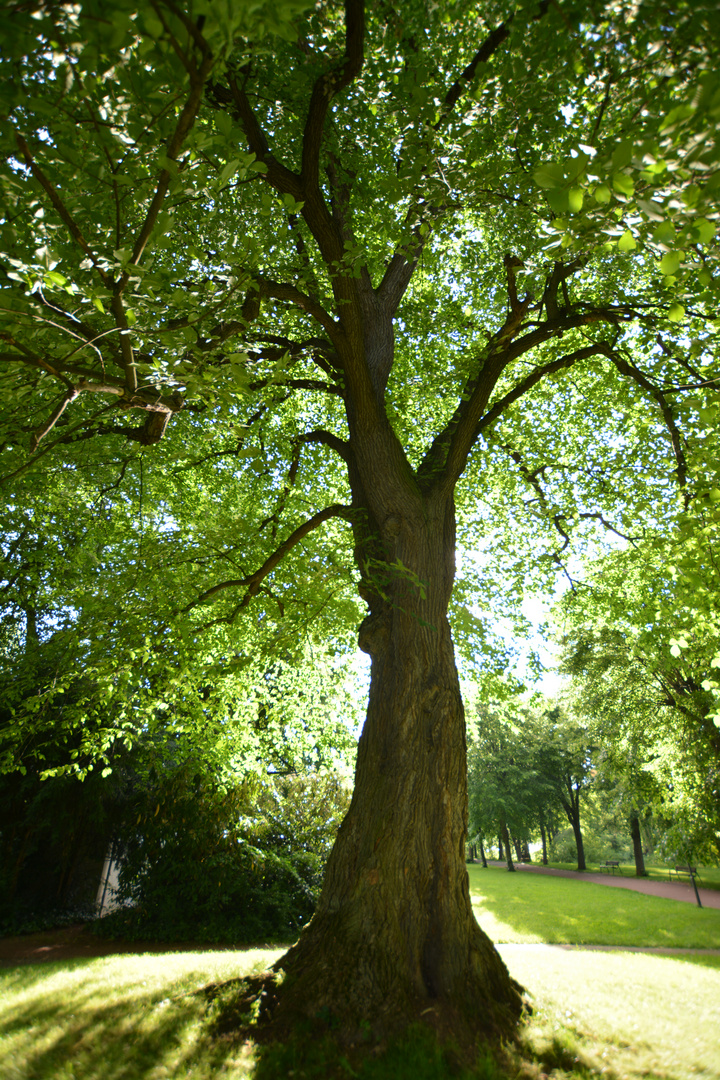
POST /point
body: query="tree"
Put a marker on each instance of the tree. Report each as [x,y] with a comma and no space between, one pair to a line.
[325,256]
[640,644]
[510,787]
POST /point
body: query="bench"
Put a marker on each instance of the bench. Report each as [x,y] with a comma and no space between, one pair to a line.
[683,872]
[610,867]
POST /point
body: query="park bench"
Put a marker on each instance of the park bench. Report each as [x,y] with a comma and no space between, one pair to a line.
[611,865]
[684,872]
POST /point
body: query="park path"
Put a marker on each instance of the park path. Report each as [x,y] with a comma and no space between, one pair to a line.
[668,890]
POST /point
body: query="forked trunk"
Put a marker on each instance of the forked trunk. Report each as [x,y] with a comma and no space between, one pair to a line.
[394,937]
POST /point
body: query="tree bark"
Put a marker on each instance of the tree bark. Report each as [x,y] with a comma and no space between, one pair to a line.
[482,854]
[543,837]
[394,937]
[505,836]
[501,852]
[570,799]
[634,819]
[579,844]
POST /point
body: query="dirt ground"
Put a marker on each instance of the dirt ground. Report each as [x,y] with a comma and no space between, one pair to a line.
[79,942]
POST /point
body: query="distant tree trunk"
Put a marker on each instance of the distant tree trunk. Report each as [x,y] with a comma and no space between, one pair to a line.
[580,846]
[501,853]
[527,857]
[518,849]
[570,798]
[543,837]
[634,819]
[505,836]
[482,855]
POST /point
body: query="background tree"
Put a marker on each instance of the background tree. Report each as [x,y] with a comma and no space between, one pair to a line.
[271,248]
[639,647]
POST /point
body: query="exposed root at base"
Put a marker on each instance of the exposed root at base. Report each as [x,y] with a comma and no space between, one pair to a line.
[247,1009]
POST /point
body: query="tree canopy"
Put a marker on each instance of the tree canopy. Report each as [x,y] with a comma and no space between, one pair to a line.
[294,300]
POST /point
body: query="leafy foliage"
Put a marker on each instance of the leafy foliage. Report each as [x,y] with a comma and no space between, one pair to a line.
[206,861]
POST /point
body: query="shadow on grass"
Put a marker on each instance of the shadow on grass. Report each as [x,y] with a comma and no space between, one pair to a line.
[100,1030]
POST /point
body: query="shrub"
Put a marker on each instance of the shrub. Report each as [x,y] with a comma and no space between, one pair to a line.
[240,863]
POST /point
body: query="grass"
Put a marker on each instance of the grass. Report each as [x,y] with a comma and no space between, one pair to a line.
[533,908]
[120,1018]
[619,1015]
[144,1018]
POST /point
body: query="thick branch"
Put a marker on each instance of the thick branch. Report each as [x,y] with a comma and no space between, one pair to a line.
[327,86]
[183,127]
[253,581]
[503,403]
[446,459]
[278,176]
[491,44]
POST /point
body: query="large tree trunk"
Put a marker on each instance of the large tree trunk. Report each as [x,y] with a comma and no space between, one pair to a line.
[394,937]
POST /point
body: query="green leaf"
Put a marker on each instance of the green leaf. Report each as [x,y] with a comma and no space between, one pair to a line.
[550,175]
[676,313]
[627,241]
[670,263]
[623,184]
[665,233]
[622,155]
[576,196]
[558,200]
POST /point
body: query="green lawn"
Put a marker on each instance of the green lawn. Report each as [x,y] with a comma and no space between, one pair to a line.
[533,908]
[619,1015]
[625,1015]
[120,1018]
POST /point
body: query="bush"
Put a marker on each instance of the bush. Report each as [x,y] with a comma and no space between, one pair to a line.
[241,864]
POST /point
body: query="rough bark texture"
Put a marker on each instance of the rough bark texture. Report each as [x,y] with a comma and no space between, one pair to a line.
[394,936]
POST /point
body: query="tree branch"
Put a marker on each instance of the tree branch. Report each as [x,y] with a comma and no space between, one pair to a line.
[183,127]
[637,376]
[43,430]
[327,87]
[64,213]
[252,582]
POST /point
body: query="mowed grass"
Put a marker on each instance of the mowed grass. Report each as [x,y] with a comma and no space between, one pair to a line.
[120,1018]
[623,1015]
[532,908]
[620,1015]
